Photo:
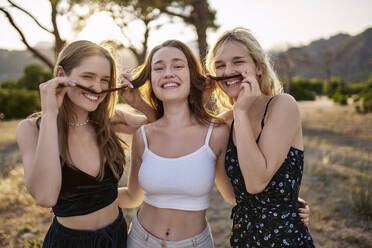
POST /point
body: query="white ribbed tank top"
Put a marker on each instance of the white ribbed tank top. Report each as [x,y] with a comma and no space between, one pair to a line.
[182,183]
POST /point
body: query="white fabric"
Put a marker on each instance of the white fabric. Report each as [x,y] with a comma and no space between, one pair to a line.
[182,183]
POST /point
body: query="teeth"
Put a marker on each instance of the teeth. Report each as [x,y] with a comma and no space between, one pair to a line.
[91,97]
[168,85]
[232,82]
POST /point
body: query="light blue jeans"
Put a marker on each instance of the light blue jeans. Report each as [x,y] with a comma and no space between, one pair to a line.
[140,238]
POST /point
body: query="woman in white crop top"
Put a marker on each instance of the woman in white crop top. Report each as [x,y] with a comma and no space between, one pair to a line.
[176,159]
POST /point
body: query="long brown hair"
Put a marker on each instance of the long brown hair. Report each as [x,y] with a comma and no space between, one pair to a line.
[268,82]
[197,82]
[110,146]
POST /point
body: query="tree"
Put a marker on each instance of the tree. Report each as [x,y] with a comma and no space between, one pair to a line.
[200,15]
[56,10]
[192,12]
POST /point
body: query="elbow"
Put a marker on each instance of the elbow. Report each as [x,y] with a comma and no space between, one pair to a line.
[46,202]
[43,199]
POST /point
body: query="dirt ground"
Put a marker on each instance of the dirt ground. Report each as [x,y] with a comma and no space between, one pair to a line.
[338,161]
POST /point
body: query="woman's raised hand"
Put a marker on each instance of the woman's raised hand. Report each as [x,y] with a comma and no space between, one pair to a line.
[249,90]
[52,93]
[129,94]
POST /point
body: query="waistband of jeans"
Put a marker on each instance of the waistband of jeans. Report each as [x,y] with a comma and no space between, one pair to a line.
[144,235]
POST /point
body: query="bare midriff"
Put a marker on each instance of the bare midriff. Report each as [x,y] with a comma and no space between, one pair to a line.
[92,221]
[171,224]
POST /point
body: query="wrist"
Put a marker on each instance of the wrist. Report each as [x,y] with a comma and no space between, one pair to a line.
[49,115]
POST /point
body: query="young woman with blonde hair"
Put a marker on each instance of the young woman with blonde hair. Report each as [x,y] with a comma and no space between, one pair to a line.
[264,157]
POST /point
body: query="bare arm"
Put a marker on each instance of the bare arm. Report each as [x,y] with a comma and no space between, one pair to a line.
[218,143]
[40,149]
[132,195]
[259,162]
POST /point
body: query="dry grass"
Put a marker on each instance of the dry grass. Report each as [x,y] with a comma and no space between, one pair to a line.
[338,144]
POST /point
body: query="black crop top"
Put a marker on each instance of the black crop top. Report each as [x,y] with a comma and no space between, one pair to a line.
[83,194]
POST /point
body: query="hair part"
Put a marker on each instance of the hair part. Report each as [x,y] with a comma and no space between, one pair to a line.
[268,81]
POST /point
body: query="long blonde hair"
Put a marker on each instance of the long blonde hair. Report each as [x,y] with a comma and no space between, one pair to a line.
[268,82]
[110,147]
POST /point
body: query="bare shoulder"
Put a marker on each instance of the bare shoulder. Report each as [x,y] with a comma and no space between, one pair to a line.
[284,102]
[26,127]
[220,132]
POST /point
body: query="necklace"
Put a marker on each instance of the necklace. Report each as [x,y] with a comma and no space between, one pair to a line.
[79,124]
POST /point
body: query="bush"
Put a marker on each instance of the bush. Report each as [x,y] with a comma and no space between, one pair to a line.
[18,103]
[365,99]
[301,89]
[9,84]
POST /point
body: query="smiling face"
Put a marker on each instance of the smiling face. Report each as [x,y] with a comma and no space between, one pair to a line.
[93,72]
[233,58]
[170,74]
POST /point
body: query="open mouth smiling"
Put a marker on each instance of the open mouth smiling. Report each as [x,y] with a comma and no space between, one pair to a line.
[168,85]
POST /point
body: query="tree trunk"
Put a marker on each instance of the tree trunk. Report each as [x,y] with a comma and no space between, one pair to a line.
[199,18]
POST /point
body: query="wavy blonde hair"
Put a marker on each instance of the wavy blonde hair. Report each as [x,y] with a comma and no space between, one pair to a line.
[110,146]
[268,82]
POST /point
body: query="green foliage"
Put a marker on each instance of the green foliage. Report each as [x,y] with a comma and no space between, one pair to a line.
[365,99]
[9,84]
[301,89]
[356,88]
[18,103]
[34,75]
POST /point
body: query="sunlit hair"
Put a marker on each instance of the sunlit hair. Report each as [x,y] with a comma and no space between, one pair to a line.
[268,81]
[197,82]
[110,148]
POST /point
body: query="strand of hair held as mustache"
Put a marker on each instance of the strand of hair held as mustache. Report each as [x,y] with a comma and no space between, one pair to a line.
[137,83]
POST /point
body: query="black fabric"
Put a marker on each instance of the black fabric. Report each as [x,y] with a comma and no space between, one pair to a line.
[269,218]
[111,236]
[82,194]
[263,119]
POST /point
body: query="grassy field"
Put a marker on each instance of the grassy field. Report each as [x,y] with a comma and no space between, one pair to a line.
[337,183]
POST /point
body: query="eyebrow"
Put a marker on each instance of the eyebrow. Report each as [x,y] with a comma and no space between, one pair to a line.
[92,73]
[173,60]
[234,58]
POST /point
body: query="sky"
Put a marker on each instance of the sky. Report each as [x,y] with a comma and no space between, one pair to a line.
[276,24]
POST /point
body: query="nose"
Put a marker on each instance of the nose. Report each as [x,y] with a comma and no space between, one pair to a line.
[97,85]
[168,72]
[229,69]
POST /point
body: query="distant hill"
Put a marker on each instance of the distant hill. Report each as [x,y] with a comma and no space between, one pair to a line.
[347,57]
[12,63]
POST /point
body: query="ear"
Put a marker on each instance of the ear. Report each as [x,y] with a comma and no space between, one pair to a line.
[60,72]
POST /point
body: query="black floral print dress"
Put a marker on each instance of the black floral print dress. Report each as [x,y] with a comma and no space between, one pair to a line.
[269,218]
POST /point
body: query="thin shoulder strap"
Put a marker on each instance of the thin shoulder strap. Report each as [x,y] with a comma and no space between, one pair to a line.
[263,119]
[207,138]
[144,136]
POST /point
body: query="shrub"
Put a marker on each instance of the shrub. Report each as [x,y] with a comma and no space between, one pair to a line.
[18,103]
[301,89]
[364,99]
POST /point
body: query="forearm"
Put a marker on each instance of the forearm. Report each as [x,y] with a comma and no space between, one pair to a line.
[252,162]
[44,178]
[146,109]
